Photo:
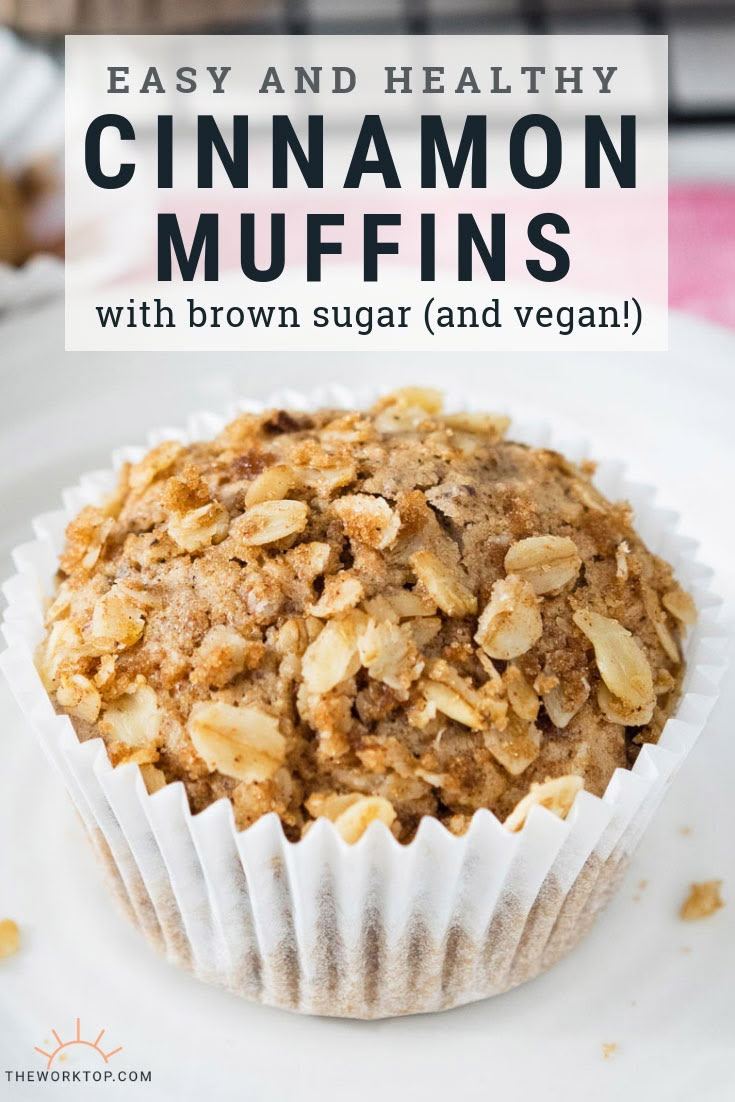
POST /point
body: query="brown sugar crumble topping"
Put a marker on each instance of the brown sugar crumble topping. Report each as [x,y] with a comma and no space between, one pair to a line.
[365,615]
[19,196]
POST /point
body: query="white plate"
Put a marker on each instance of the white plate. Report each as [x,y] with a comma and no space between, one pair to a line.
[660,989]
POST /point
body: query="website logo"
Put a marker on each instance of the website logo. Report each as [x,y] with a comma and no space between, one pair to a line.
[80,1058]
[62,1046]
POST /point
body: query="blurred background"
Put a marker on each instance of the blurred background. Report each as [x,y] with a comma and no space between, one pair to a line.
[702,108]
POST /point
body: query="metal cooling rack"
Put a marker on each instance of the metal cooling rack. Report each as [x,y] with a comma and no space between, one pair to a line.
[701,34]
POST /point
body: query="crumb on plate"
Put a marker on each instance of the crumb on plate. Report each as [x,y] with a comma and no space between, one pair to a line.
[9,938]
[703,900]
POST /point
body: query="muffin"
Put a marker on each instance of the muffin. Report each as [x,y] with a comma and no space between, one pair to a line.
[24,229]
[365,704]
[15,240]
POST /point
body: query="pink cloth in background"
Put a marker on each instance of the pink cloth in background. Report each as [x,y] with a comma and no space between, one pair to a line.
[701,248]
[702,251]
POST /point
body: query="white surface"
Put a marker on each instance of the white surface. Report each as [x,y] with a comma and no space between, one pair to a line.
[672,1013]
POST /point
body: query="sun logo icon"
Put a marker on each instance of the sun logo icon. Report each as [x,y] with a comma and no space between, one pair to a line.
[62,1046]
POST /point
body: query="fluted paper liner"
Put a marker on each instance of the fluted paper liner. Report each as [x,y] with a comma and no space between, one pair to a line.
[377,928]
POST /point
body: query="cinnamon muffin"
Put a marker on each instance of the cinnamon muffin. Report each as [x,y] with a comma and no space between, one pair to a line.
[15,239]
[381,615]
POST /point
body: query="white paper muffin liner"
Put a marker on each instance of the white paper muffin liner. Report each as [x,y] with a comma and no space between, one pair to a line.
[377,928]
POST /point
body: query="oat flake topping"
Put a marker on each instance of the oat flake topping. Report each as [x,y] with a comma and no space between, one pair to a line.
[365,616]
